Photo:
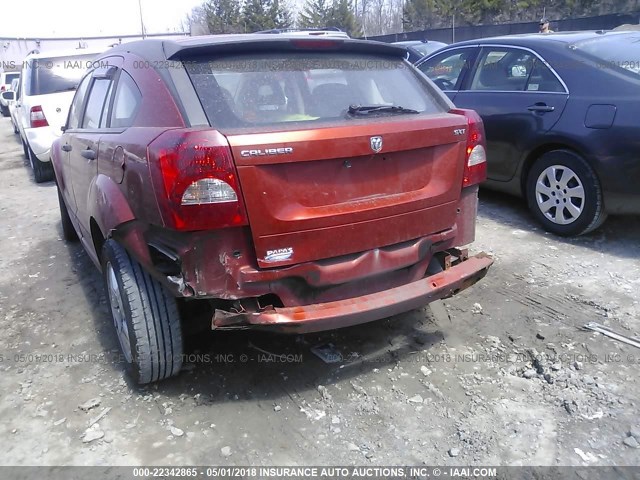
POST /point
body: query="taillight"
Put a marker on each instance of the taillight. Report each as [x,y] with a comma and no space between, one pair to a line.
[37,118]
[195,180]
[2,88]
[475,168]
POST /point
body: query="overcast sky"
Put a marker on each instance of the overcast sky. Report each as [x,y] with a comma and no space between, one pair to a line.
[78,18]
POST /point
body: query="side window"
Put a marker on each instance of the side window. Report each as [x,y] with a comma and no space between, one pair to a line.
[542,79]
[96,103]
[503,69]
[127,101]
[75,112]
[446,70]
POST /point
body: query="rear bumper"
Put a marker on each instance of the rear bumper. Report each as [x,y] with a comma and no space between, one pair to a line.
[366,308]
[40,140]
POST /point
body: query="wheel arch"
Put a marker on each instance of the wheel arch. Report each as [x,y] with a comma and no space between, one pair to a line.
[97,237]
[111,216]
[538,152]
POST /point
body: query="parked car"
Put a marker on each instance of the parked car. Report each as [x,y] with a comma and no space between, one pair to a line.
[205,173]
[8,98]
[561,116]
[417,49]
[5,84]
[15,86]
[47,84]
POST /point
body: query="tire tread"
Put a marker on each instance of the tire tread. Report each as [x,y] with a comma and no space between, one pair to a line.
[155,320]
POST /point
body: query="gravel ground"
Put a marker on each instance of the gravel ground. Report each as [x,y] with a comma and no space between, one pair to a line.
[502,374]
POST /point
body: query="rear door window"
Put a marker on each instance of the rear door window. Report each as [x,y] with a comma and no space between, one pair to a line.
[274,90]
[126,102]
[75,112]
[542,79]
[503,69]
[95,111]
[513,70]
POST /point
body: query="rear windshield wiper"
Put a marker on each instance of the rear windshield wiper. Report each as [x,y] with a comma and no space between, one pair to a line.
[366,109]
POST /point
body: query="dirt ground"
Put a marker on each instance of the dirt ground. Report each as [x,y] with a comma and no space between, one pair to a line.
[502,374]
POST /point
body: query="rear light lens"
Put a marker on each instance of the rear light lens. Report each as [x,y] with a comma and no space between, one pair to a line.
[37,118]
[475,168]
[195,180]
[2,88]
[208,190]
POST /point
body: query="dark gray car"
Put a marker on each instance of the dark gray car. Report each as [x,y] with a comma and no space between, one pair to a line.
[561,118]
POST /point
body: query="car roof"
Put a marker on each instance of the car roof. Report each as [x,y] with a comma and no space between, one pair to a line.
[533,39]
[410,43]
[173,49]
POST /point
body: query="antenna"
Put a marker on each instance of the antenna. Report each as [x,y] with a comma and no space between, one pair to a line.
[141,21]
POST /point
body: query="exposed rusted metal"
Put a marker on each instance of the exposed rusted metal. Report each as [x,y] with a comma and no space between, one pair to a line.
[365,308]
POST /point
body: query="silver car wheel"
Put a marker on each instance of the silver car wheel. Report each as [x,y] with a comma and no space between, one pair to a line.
[117,312]
[560,194]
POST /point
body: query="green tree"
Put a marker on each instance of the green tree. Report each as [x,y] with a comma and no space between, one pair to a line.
[222,16]
[315,14]
[280,15]
[264,15]
[418,15]
[342,17]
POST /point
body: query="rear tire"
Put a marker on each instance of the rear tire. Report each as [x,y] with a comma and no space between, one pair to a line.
[564,194]
[42,171]
[5,111]
[68,231]
[145,316]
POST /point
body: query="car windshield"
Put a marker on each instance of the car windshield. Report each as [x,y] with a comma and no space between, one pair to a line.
[619,52]
[274,90]
[9,77]
[57,74]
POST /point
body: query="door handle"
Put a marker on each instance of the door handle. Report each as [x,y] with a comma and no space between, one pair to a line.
[541,108]
[66,148]
[88,154]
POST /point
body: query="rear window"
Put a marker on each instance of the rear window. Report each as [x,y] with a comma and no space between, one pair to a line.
[618,52]
[9,77]
[278,90]
[57,74]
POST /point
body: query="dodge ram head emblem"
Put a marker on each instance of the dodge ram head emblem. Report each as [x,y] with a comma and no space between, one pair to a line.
[376,143]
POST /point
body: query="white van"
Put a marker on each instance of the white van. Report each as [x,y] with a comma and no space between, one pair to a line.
[48,82]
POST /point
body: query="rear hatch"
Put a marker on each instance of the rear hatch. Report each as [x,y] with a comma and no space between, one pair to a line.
[54,81]
[56,108]
[322,179]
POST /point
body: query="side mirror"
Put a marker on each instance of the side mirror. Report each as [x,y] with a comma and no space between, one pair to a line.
[9,95]
[63,128]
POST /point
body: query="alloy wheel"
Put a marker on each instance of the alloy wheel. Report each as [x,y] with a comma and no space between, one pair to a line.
[560,195]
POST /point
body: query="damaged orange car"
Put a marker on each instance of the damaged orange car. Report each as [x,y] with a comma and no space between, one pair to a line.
[276,182]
